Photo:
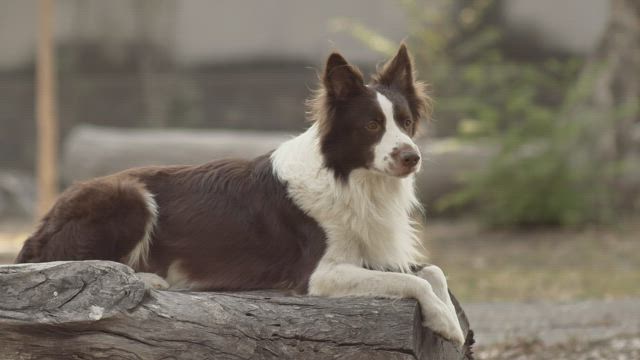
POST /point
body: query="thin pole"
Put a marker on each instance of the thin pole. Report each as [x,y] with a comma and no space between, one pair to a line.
[47,122]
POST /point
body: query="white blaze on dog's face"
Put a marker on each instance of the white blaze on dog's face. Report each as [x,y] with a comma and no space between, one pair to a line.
[396,154]
[370,126]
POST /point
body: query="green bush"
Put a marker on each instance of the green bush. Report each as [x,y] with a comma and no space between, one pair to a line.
[545,171]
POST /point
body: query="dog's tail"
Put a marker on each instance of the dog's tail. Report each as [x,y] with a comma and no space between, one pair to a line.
[31,248]
[102,219]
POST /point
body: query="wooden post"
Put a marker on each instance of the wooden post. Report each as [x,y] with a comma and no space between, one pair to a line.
[47,124]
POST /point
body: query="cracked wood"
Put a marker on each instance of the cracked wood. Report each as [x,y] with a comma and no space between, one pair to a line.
[99,309]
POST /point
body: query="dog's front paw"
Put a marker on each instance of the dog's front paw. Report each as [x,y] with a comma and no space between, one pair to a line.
[446,325]
[153,281]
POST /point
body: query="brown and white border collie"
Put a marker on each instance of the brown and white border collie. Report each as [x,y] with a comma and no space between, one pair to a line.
[327,213]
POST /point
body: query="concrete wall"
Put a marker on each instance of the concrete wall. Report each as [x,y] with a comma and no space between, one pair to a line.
[205,31]
[200,31]
[574,26]
[278,42]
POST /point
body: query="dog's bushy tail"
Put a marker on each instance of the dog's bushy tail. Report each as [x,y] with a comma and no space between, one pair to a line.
[102,219]
[30,249]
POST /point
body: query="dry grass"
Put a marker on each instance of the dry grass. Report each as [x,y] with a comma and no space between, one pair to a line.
[537,265]
[12,234]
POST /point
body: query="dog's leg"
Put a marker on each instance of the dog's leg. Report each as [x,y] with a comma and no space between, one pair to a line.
[334,279]
[438,281]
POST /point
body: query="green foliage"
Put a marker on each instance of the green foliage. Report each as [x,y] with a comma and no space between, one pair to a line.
[548,182]
[546,171]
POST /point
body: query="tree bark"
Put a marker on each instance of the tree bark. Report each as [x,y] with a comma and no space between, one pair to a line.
[606,107]
[100,309]
[608,90]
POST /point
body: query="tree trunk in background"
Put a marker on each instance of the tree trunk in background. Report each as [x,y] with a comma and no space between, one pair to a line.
[603,115]
[609,86]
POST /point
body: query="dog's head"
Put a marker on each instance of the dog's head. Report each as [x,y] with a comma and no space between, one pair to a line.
[370,126]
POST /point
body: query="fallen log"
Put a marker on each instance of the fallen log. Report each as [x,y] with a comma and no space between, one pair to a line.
[91,151]
[100,309]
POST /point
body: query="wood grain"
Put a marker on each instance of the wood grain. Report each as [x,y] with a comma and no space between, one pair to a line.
[100,309]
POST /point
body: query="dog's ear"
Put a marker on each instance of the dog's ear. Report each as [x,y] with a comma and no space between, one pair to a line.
[398,72]
[340,79]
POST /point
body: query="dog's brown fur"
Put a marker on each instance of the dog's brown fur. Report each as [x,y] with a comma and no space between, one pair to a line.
[227,225]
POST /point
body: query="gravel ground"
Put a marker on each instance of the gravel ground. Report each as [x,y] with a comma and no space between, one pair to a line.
[620,348]
[594,329]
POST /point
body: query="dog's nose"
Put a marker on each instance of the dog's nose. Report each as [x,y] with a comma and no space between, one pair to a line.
[409,158]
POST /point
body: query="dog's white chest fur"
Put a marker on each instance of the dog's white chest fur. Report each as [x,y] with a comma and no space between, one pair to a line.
[367,220]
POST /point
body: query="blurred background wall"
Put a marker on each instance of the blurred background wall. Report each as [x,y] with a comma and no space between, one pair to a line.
[531,181]
[245,64]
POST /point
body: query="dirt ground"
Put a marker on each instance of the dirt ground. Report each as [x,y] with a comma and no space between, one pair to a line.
[12,233]
[536,294]
[585,329]
[545,294]
[619,348]
[543,264]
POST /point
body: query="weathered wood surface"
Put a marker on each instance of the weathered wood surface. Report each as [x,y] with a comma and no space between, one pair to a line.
[99,309]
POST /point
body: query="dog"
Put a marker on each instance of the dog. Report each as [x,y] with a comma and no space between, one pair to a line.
[327,213]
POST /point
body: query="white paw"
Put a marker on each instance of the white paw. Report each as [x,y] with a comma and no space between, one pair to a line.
[438,281]
[447,325]
[152,281]
[432,272]
[436,278]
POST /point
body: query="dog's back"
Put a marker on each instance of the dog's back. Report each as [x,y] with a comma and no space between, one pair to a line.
[223,225]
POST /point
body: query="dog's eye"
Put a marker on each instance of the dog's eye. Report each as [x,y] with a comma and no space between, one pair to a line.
[373,126]
[408,123]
